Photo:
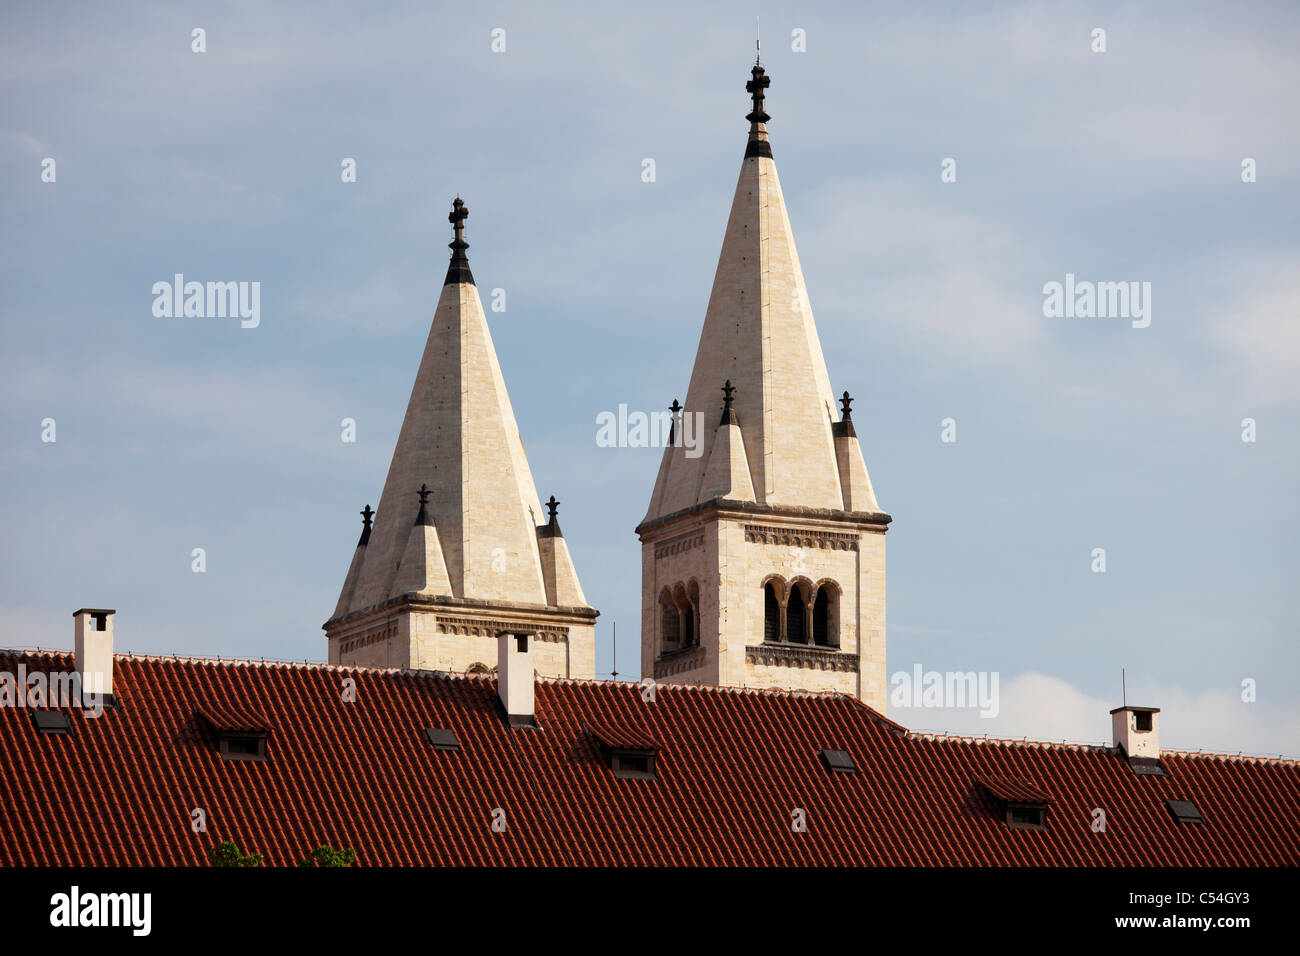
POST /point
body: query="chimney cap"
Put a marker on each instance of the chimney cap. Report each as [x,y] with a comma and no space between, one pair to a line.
[1134,707]
[92,610]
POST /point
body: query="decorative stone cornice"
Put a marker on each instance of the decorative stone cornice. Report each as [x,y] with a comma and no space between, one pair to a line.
[677,662]
[801,656]
[480,627]
[876,521]
[681,543]
[800,537]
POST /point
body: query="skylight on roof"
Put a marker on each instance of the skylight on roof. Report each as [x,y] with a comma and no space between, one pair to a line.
[51,722]
[1185,811]
[442,739]
[838,761]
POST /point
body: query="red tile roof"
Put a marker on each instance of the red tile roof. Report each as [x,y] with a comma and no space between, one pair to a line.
[732,768]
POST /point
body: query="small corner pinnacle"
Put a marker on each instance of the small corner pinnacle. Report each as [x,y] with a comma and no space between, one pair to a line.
[728,413]
[422,516]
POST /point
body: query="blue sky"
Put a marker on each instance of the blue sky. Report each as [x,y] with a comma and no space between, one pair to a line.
[1072,433]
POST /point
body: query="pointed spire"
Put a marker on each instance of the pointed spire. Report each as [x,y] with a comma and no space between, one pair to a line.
[366,516]
[458,270]
[759,335]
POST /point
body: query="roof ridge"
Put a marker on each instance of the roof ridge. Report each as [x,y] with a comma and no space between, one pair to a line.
[941,737]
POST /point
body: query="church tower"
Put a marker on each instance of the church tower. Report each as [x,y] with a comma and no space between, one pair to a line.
[460,549]
[763,549]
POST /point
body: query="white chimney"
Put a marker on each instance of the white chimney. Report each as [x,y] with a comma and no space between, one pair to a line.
[515,676]
[1137,730]
[94,649]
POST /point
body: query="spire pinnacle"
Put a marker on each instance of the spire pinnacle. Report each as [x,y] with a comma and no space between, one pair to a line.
[458,270]
[674,409]
[728,414]
[845,411]
[366,515]
[552,527]
[422,516]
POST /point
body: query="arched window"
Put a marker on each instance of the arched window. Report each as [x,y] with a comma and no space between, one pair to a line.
[822,618]
[693,620]
[794,618]
[688,626]
[668,622]
[771,614]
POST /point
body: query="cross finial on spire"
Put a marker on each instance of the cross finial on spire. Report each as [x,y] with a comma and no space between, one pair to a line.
[673,409]
[457,218]
[846,413]
[366,515]
[755,87]
[552,506]
[458,271]
[424,493]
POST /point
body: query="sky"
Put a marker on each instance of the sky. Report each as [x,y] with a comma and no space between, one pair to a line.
[1072,434]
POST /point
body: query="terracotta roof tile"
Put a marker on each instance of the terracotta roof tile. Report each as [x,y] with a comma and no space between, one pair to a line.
[732,768]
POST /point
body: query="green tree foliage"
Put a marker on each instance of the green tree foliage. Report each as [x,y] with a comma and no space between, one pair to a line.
[328,856]
[227,853]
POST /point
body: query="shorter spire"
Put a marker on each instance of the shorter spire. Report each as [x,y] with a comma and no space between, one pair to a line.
[458,270]
[366,515]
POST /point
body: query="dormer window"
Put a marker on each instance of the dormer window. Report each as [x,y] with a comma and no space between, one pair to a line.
[239,735]
[632,764]
[1021,805]
[629,753]
[242,746]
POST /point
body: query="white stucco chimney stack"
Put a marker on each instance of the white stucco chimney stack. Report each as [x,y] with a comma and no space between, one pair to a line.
[94,649]
[1137,730]
[515,676]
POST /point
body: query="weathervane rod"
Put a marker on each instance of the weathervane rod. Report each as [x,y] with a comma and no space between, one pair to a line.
[758,41]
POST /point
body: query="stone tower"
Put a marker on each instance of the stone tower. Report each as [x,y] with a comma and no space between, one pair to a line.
[460,549]
[763,549]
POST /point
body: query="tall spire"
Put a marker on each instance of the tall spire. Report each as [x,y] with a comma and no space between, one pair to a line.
[759,336]
[458,270]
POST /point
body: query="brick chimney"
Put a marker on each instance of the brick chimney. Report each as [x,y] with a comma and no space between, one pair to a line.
[1137,730]
[94,650]
[515,676]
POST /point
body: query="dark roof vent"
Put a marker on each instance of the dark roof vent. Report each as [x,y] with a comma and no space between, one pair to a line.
[442,739]
[1185,811]
[839,761]
[51,722]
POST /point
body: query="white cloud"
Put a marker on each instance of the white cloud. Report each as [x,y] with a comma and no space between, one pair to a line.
[1041,707]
